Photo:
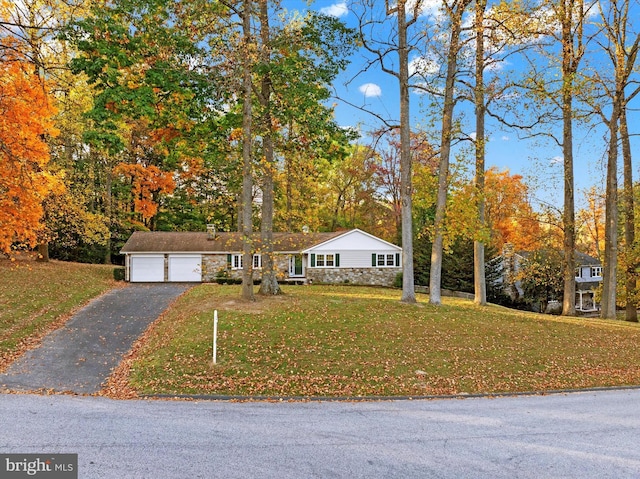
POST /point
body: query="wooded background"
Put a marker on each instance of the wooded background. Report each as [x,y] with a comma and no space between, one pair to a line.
[127,115]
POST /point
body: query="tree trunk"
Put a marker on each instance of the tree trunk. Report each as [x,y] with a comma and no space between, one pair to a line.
[435,278]
[479,280]
[623,54]
[340,202]
[108,209]
[269,283]
[288,177]
[611,219]
[631,313]
[247,138]
[569,67]
[43,252]
[408,283]
[34,42]
[569,259]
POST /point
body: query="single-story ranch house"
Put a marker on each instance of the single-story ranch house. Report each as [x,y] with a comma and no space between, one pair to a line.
[351,256]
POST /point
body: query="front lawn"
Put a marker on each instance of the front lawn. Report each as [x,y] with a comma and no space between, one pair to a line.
[35,298]
[352,341]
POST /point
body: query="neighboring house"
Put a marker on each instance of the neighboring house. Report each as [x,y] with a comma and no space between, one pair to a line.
[351,256]
[588,278]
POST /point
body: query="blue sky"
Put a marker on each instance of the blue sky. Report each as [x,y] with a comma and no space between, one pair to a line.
[540,162]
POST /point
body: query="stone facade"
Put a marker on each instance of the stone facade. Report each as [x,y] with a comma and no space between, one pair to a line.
[362,276]
[215,267]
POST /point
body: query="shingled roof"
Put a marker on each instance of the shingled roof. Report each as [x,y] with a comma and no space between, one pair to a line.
[583,259]
[199,242]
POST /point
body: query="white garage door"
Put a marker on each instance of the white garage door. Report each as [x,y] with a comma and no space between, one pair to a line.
[185,268]
[148,268]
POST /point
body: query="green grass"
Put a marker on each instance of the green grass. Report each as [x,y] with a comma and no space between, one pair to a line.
[350,341]
[35,297]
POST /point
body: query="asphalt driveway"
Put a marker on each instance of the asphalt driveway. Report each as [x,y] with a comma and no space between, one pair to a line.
[80,356]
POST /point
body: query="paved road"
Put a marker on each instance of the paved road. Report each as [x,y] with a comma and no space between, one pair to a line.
[80,356]
[580,435]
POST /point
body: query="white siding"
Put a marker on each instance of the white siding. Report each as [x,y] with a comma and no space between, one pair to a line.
[361,259]
[355,241]
[355,258]
[584,272]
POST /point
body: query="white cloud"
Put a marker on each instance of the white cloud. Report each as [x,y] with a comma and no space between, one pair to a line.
[556,160]
[336,10]
[495,66]
[505,138]
[426,7]
[423,66]
[370,89]
[432,7]
[473,136]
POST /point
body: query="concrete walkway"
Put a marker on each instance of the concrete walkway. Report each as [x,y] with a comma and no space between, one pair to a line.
[80,356]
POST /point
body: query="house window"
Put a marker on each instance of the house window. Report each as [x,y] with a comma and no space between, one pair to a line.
[237,263]
[596,271]
[329,260]
[385,259]
[578,272]
[325,260]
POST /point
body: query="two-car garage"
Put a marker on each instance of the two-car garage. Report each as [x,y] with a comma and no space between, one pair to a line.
[158,268]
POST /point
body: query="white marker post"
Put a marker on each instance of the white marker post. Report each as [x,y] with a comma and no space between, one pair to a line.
[215,335]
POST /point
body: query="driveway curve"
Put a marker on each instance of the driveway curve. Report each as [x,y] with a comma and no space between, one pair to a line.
[79,357]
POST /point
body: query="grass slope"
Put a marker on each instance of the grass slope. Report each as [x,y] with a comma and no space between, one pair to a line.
[350,341]
[37,297]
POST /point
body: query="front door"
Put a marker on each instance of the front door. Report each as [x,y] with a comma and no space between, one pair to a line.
[296,266]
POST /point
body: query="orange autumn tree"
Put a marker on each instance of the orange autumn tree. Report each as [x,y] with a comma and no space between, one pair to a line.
[25,120]
[509,213]
[147,183]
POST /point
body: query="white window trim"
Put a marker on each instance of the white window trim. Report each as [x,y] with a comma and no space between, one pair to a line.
[237,261]
[386,260]
[324,259]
